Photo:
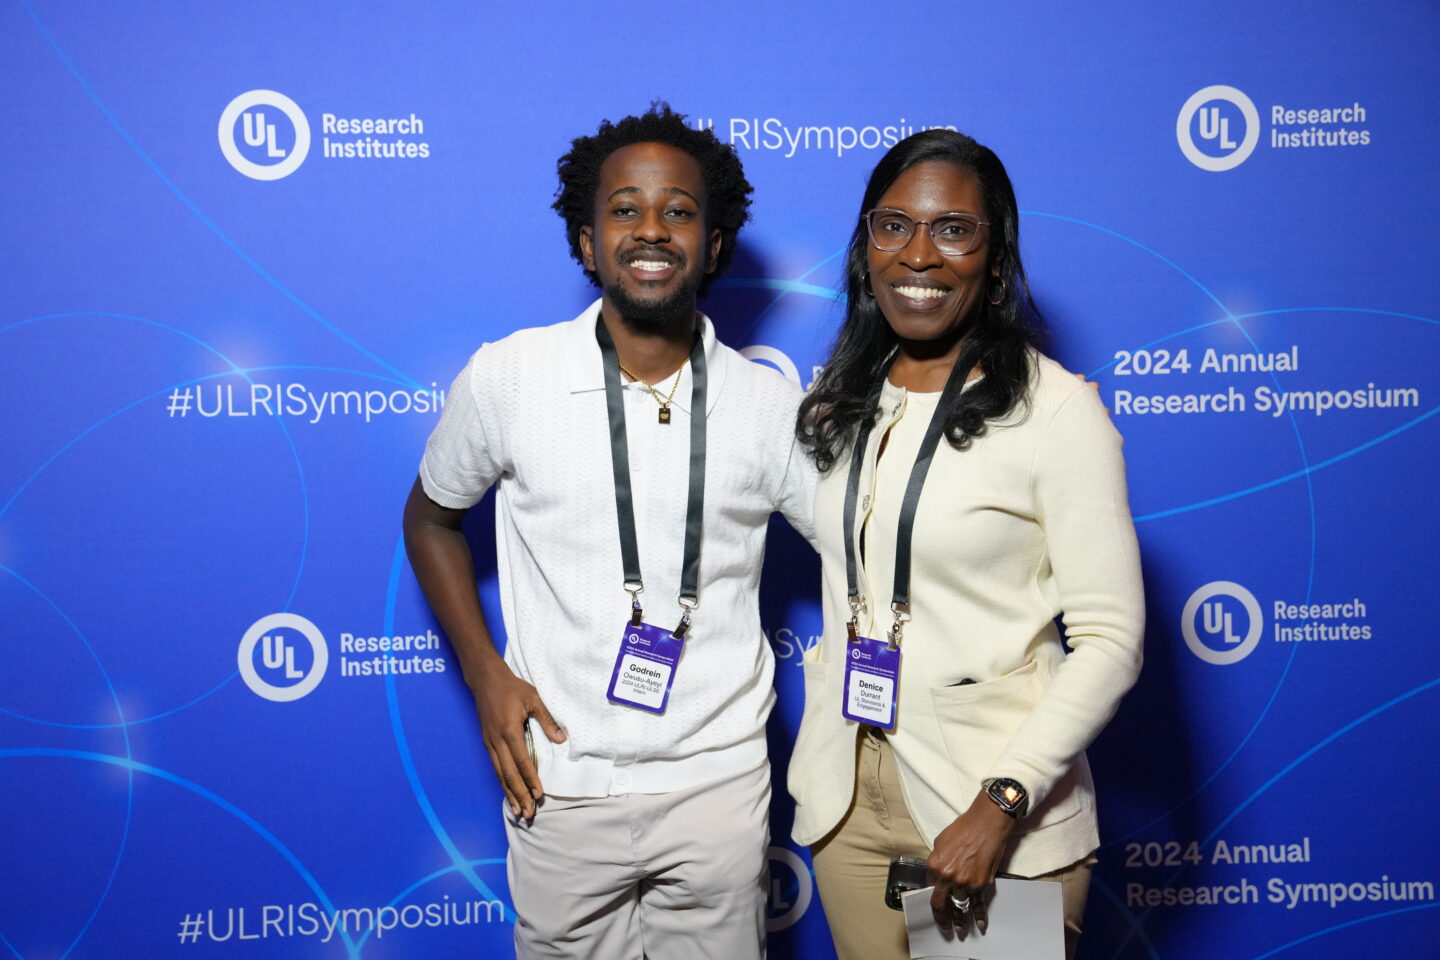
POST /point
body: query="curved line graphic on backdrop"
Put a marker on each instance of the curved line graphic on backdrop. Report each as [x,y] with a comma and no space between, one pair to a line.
[295,586]
[129,756]
[234,370]
[1297,474]
[785,286]
[190,205]
[442,872]
[128,723]
[1341,926]
[1322,744]
[1135,243]
[798,285]
[126,763]
[1135,924]
[402,747]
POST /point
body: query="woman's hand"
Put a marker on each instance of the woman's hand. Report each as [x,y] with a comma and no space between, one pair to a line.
[965,859]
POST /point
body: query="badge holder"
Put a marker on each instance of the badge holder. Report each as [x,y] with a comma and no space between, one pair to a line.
[645,665]
[872,667]
[872,671]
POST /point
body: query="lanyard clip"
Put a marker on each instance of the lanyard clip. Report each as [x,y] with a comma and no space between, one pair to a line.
[636,613]
[687,604]
[897,629]
[853,624]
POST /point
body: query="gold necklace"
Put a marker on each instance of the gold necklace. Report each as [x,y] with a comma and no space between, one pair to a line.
[665,403]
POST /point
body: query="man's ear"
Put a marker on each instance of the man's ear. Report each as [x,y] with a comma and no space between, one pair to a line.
[587,248]
[713,259]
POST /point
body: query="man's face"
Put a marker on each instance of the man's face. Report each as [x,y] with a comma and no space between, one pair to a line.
[649,245]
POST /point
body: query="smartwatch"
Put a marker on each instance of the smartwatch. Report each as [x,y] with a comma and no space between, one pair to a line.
[1008,795]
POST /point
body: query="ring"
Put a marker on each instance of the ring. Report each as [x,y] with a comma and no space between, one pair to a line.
[959,903]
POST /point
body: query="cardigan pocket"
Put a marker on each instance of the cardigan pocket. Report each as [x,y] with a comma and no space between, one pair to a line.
[977,721]
[813,727]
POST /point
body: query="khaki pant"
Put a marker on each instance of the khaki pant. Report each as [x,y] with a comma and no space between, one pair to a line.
[665,876]
[853,861]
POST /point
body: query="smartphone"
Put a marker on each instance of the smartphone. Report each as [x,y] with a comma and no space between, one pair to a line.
[906,874]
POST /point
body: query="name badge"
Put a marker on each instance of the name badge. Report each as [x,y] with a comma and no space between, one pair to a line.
[871,669]
[645,667]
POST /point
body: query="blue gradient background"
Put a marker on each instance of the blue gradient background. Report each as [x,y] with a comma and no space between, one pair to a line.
[140,778]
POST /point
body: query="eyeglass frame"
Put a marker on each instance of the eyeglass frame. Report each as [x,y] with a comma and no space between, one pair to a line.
[928,224]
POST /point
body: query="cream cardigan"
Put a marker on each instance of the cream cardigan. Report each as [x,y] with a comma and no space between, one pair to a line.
[1031,521]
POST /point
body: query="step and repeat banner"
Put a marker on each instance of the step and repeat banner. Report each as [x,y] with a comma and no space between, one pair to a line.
[246,248]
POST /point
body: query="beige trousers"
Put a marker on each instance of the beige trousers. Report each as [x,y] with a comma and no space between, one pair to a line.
[853,861]
[664,876]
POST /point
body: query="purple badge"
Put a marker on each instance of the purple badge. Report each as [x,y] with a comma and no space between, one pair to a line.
[645,667]
[871,669]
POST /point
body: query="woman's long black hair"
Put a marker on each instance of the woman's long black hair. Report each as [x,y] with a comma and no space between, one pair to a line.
[999,337]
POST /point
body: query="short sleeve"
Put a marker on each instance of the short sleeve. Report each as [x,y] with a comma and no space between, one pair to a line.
[797,492]
[462,457]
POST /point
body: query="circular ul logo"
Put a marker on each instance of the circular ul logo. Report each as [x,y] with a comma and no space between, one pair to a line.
[1212,627]
[854,653]
[255,117]
[278,649]
[634,638]
[791,889]
[1208,113]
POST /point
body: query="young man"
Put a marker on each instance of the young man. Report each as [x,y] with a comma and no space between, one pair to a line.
[638,462]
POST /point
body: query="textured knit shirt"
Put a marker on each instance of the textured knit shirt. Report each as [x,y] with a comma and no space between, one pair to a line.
[528,413]
[1030,521]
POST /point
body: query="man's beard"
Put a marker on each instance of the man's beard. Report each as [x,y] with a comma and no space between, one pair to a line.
[657,316]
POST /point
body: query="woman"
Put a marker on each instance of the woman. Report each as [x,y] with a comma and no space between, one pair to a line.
[973,757]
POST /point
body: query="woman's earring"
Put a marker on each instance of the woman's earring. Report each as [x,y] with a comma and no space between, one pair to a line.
[994,300]
[865,284]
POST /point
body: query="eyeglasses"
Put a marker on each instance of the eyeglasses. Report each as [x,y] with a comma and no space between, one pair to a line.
[953,234]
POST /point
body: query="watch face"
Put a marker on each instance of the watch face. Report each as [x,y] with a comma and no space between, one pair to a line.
[1009,794]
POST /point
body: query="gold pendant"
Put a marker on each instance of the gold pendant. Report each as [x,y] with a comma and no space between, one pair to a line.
[664,414]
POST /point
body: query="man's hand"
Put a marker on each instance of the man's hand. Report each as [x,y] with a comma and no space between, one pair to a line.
[445,570]
[966,856]
[504,706]
[1092,385]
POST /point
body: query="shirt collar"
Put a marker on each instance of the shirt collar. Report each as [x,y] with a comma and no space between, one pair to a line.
[583,371]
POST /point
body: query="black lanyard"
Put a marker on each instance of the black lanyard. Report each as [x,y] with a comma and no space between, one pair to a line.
[624,499]
[900,600]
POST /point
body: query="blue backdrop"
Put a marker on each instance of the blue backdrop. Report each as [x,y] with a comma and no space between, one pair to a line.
[247,246]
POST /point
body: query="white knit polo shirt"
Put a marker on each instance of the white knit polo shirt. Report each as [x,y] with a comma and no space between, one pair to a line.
[528,413]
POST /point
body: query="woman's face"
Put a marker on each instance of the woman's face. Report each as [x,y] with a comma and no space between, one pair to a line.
[926,295]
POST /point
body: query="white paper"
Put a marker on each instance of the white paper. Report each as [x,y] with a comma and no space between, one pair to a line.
[1026,922]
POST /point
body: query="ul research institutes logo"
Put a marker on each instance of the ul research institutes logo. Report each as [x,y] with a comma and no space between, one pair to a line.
[1218,128]
[1221,623]
[283,657]
[264,135]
